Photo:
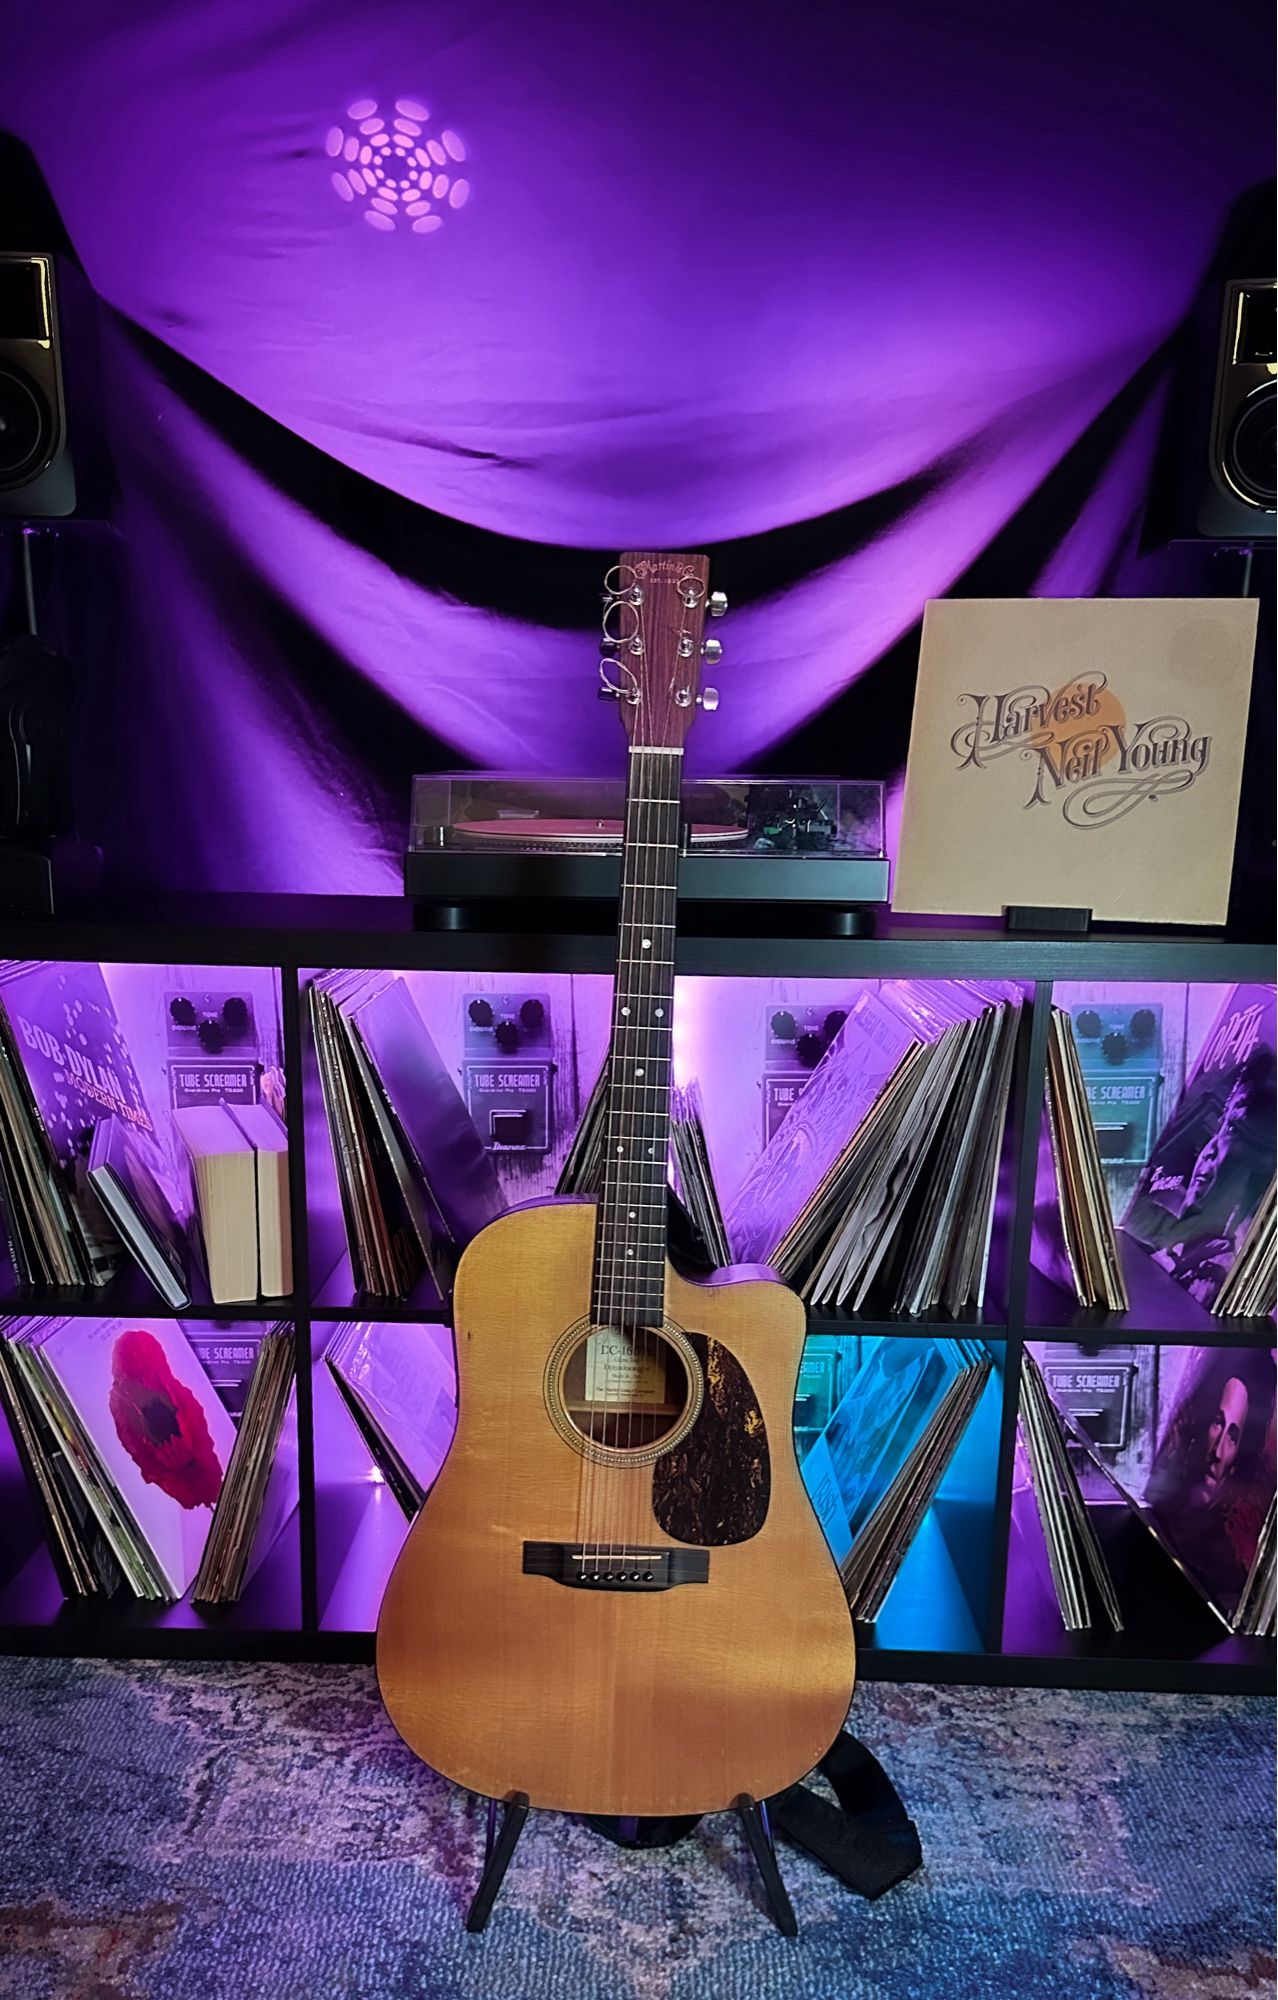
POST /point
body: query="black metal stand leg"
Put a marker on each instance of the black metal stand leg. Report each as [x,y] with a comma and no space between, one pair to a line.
[498,1848]
[754,1818]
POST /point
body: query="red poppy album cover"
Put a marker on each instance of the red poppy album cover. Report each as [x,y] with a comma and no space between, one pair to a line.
[157,1426]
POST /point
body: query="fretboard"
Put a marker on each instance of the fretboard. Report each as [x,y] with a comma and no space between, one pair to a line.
[630,1250]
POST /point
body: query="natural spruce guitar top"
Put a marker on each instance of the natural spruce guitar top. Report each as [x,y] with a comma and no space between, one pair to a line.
[617,1599]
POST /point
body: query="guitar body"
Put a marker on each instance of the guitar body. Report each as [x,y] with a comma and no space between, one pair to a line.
[590,1697]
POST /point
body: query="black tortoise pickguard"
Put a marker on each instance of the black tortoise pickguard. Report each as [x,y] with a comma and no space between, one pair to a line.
[714,1488]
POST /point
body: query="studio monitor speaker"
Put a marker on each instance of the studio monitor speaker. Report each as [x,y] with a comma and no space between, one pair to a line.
[37,480]
[1237,497]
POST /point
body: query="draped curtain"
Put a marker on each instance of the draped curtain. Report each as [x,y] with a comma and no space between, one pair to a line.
[394,323]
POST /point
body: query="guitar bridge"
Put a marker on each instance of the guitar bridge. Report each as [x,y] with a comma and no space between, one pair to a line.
[615,1566]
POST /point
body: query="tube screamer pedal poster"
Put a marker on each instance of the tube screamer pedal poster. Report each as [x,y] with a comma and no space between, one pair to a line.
[1077,752]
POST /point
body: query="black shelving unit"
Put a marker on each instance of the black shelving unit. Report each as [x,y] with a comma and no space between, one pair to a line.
[283,1614]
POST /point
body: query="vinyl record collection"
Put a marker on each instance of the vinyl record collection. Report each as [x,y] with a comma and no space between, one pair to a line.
[874,1193]
[1086,1220]
[142,1482]
[416,1183]
[885,1171]
[90,1174]
[399,1387]
[1207,1500]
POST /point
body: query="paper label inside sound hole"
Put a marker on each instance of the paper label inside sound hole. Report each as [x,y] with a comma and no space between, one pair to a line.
[619,1370]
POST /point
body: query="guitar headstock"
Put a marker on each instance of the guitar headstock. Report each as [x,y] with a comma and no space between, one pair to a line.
[655,608]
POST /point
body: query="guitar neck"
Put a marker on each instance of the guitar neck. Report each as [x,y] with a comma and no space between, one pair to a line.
[630,1247]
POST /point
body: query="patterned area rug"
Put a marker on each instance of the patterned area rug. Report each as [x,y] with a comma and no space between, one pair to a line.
[224,1832]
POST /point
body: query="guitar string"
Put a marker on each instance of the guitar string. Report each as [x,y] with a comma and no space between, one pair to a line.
[603,1304]
[626,1269]
[646,1183]
[632,1184]
[657,883]
[587,1481]
[653,1179]
[632,1275]
[611,1246]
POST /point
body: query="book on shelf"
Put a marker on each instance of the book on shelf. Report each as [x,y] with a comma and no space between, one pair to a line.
[224,1171]
[64,1066]
[876,1467]
[1076,1242]
[415,1180]
[267,1135]
[1207,1499]
[239,1164]
[260,1490]
[144,1435]
[1210,1175]
[398,1384]
[886,1168]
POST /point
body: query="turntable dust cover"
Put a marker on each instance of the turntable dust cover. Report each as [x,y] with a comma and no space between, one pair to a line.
[1079,753]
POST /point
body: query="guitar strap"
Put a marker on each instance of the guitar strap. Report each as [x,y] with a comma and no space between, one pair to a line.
[868,1839]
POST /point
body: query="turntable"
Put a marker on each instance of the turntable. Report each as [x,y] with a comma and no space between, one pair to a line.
[485,836]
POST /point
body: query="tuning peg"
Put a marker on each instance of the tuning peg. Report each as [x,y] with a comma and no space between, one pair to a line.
[607,692]
[712,651]
[716,603]
[708,699]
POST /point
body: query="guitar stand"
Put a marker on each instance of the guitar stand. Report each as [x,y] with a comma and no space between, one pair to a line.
[500,1843]
[866,1839]
[498,1848]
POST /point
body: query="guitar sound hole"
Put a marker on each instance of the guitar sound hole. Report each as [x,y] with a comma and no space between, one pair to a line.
[613,1393]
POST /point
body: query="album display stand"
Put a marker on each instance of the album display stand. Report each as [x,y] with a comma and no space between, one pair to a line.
[1046,920]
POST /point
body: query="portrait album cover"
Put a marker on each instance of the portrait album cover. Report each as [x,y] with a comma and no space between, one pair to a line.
[1212,1163]
[1077,753]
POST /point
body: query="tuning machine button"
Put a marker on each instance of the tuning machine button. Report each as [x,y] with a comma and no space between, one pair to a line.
[712,651]
[716,603]
[708,699]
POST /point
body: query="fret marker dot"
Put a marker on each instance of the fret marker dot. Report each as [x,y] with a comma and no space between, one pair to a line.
[661,1013]
[625,1010]
[647,944]
[630,1253]
[638,1072]
[631,1217]
[621,1149]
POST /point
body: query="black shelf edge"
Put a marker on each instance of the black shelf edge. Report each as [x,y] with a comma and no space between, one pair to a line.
[390,1312]
[387,932]
[124,1300]
[829,1320]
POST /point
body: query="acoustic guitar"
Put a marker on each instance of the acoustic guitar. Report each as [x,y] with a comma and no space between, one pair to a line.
[617,1599]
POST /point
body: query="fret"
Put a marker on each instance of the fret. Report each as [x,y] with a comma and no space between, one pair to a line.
[630,1260]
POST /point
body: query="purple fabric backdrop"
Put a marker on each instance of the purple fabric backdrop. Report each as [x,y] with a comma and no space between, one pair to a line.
[831,290]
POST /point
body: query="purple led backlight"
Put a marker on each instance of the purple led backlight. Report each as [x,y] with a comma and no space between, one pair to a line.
[397,172]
